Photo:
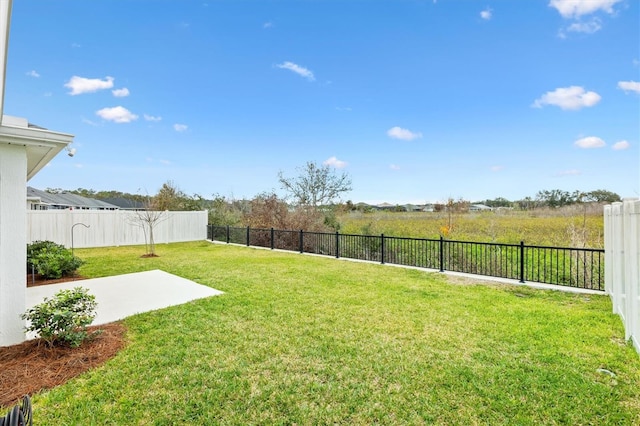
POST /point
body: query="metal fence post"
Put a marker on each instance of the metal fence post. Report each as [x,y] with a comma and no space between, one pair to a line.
[382,249]
[247,236]
[521,261]
[228,236]
[272,242]
[301,241]
[337,245]
[441,254]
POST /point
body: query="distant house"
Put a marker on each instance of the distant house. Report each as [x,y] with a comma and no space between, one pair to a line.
[385,206]
[429,207]
[42,200]
[412,208]
[125,203]
[479,208]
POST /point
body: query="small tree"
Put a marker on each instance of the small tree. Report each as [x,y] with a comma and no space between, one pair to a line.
[223,212]
[316,185]
[269,211]
[171,197]
[147,219]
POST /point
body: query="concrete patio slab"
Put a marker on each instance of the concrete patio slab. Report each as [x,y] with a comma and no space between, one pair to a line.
[121,296]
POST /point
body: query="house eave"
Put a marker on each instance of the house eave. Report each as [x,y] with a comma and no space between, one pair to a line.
[42,145]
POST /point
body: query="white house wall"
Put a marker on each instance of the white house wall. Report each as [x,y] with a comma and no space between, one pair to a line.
[13,166]
[112,228]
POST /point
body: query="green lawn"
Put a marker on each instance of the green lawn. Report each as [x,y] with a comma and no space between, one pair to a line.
[307,340]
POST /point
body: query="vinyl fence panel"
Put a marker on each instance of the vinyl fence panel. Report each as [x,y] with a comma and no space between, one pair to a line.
[622,260]
[106,228]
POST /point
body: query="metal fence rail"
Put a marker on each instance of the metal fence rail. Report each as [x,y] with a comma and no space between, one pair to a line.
[566,266]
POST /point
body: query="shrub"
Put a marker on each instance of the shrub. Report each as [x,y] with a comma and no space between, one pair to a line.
[63,318]
[36,247]
[51,260]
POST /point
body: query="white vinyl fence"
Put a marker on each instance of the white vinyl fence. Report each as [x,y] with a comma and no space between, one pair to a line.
[112,227]
[622,257]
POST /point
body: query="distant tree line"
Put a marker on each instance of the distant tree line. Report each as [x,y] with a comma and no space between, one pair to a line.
[312,201]
[556,198]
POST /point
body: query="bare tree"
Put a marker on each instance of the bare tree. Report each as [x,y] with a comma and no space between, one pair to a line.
[147,219]
[316,185]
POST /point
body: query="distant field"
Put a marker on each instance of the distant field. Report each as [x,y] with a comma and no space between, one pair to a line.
[569,228]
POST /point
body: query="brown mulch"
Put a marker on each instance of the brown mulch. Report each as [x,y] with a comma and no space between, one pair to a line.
[37,279]
[31,366]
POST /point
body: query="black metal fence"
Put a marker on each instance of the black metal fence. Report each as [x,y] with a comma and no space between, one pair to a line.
[573,267]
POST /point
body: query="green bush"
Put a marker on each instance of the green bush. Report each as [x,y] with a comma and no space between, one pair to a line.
[63,318]
[36,247]
[51,260]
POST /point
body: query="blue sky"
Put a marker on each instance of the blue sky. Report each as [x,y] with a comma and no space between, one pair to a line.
[418,101]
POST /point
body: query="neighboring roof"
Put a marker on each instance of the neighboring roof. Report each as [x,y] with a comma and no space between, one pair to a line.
[125,203]
[66,199]
[479,207]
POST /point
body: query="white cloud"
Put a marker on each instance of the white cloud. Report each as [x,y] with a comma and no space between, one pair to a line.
[302,71]
[497,168]
[573,97]
[621,145]
[576,8]
[180,127]
[590,142]
[343,108]
[151,117]
[79,85]
[267,25]
[629,86]
[404,134]
[165,162]
[394,167]
[334,162]
[33,73]
[120,93]
[486,14]
[117,114]
[585,27]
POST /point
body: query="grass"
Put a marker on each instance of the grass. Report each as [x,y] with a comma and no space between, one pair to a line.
[565,228]
[307,340]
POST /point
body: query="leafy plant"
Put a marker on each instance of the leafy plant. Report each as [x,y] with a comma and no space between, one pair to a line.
[51,260]
[63,318]
[36,248]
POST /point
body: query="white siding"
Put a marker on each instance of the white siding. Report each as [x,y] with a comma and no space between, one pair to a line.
[13,173]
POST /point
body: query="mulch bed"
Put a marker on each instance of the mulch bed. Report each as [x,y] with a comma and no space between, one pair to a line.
[37,279]
[31,366]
